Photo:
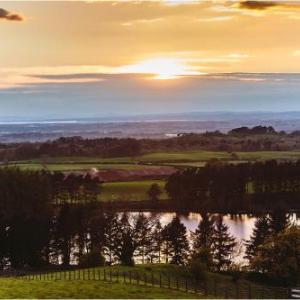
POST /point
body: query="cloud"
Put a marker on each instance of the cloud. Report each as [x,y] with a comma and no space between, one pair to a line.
[257,5]
[142,21]
[215,19]
[181,63]
[6,15]
[264,5]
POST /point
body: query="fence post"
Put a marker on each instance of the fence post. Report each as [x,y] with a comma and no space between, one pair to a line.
[99,274]
[237,290]
[118,276]
[169,281]
[110,275]
[138,278]
[152,278]
[249,288]
[186,285]
[124,276]
[94,274]
[145,278]
[88,273]
[160,283]
[226,292]
[215,287]
[205,287]
[177,283]
[104,274]
[130,279]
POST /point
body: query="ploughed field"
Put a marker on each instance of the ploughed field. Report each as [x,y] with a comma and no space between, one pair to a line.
[129,178]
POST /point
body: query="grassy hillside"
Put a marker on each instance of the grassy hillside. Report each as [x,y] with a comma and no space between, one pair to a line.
[155,281]
[79,289]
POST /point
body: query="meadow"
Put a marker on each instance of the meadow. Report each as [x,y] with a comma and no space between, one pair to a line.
[151,160]
[140,281]
[64,289]
[130,190]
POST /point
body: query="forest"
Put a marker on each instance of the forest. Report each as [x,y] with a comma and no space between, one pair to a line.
[34,233]
[244,187]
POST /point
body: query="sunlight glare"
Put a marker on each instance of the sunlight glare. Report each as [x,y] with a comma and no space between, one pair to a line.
[162,68]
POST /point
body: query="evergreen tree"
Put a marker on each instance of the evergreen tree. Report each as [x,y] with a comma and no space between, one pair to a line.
[154,192]
[279,220]
[142,227]
[223,245]
[110,235]
[202,237]
[202,240]
[260,233]
[175,236]
[156,243]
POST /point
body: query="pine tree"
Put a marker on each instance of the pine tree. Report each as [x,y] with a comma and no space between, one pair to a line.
[110,235]
[202,237]
[154,192]
[143,236]
[279,220]
[156,243]
[177,246]
[223,245]
[202,241]
[260,233]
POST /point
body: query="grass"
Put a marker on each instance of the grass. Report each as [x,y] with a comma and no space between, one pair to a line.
[129,190]
[65,167]
[17,288]
[90,283]
[151,160]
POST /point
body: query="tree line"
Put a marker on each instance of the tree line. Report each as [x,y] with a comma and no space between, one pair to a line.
[242,187]
[258,138]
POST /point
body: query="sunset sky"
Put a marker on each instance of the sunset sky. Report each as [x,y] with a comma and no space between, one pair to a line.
[96,58]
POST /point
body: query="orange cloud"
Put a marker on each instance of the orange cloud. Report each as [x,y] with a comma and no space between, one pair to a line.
[6,15]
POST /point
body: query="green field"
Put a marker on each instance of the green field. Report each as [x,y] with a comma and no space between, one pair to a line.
[17,288]
[129,190]
[151,160]
[155,281]
[80,166]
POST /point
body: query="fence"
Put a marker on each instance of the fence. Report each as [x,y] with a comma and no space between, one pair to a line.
[210,287]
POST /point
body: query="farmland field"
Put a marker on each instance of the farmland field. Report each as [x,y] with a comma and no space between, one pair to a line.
[136,187]
[80,166]
[151,160]
[129,190]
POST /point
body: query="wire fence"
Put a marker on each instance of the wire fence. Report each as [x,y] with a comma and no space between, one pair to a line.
[226,289]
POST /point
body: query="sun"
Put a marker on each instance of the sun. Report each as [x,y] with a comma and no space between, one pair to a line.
[161,68]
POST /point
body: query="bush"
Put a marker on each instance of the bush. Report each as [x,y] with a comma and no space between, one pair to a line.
[198,269]
[91,259]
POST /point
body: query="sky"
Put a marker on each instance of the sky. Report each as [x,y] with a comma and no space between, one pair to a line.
[99,58]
